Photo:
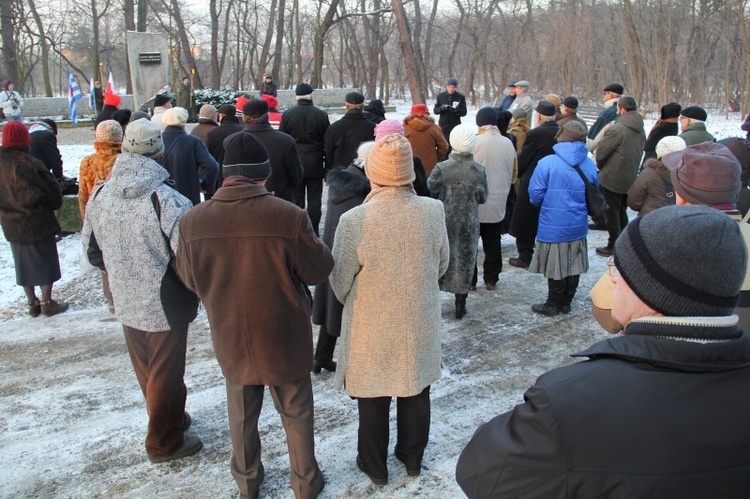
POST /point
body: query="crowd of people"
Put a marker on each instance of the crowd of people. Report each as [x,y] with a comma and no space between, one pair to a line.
[228,216]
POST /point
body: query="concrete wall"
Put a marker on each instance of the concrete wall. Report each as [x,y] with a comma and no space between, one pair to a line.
[58,106]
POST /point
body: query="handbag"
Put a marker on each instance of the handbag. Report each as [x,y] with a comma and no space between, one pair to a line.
[596,205]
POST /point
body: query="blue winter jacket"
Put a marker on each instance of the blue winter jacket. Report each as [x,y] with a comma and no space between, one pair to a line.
[560,191]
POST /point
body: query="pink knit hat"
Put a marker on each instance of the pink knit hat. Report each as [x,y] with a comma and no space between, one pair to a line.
[387,127]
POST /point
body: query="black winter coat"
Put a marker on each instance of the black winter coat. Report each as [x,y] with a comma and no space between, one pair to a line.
[228,126]
[308,125]
[347,189]
[650,414]
[286,168]
[189,163]
[105,114]
[44,148]
[538,144]
[345,136]
[660,130]
[450,117]
[29,194]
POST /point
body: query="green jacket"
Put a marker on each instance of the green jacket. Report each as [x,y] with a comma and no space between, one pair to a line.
[696,133]
[618,154]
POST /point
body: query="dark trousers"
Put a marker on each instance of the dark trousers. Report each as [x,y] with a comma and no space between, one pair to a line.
[525,249]
[413,431]
[617,216]
[159,364]
[294,403]
[561,292]
[325,346]
[314,188]
[493,255]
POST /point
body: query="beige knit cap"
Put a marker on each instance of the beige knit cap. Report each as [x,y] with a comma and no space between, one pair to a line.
[109,131]
[463,138]
[390,162]
[176,116]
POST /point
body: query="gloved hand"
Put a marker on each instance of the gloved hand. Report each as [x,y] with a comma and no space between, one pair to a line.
[445,107]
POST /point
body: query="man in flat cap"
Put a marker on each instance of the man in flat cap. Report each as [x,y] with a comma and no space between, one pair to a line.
[693,126]
[250,257]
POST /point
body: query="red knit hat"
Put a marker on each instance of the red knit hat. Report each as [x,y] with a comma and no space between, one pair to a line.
[111,99]
[15,134]
[272,101]
[420,109]
[240,102]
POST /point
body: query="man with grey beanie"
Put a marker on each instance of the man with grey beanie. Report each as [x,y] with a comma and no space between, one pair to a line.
[658,411]
[709,174]
[130,231]
[250,257]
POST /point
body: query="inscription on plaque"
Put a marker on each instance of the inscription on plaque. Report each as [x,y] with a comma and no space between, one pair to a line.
[149,57]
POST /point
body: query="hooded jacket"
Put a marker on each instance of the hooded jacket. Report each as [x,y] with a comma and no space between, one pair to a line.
[426,139]
[561,193]
[347,189]
[649,191]
[651,413]
[619,152]
[95,169]
[28,197]
[131,230]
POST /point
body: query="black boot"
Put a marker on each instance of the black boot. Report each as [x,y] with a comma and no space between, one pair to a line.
[460,305]
[555,297]
[571,285]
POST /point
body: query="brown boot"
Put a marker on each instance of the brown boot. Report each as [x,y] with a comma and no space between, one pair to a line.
[35,308]
[50,308]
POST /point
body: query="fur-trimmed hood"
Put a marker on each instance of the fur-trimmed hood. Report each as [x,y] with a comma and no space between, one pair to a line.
[419,122]
[659,167]
[347,183]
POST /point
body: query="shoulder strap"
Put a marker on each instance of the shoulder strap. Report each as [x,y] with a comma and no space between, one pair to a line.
[170,148]
[669,190]
[585,180]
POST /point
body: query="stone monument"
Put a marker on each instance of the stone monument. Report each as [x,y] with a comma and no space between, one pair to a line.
[148,58]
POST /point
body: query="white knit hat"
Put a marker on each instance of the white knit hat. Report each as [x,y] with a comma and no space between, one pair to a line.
[390,162]
[463,138]
[671,143]
[176,116]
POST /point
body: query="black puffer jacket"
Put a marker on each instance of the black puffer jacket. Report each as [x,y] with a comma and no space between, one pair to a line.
[347,189]
[650,414]
[29,194]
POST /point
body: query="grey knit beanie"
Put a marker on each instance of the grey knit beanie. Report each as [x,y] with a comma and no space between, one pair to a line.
[684,261]
[246,156]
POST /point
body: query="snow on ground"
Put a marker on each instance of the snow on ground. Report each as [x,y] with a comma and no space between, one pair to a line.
[72,418]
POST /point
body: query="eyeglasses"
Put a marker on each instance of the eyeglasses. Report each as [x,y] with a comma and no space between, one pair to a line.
[611,269]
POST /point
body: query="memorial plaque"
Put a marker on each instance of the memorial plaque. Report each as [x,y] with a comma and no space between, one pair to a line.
[149,58]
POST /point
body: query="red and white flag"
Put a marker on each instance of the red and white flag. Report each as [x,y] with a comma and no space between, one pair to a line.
[110,85]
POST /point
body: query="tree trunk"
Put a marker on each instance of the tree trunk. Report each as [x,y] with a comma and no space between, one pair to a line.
[407,52]
[44,49]
[636,63]
[10,61]
[186,47]
[319,44]
[278,50]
